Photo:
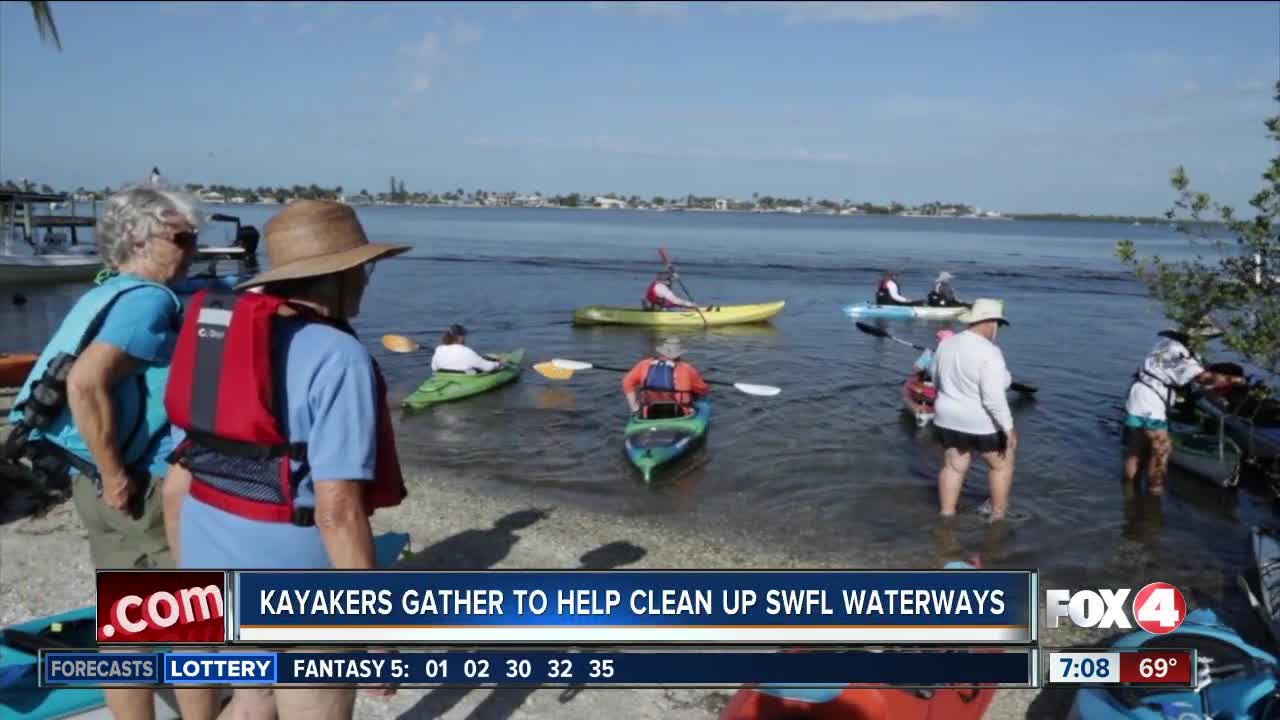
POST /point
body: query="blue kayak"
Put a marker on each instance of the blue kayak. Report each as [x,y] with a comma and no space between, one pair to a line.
[903,312]
[1234,680]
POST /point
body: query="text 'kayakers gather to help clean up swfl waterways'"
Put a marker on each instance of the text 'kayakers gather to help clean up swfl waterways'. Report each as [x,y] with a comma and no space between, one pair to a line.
[602,287]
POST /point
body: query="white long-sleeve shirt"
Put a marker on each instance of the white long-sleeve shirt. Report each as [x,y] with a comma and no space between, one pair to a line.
[972,382]
[665,292]
[460,358]
[892,288]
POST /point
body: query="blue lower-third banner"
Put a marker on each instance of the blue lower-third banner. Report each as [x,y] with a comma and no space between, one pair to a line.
[917,668]
[630,606]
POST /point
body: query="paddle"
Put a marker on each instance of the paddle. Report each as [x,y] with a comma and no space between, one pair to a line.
[400,344]
[667,261]
[1016,387]
[558,369]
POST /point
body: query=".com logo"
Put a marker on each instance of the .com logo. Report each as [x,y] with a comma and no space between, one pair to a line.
[164,610]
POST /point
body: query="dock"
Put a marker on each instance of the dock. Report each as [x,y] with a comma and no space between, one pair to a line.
[18,210]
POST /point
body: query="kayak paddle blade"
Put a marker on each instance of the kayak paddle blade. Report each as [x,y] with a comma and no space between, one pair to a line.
[571,364]
[759,390]
[399,343]
[551,371]
[871,330]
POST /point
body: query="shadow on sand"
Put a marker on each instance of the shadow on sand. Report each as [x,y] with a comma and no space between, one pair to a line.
[503,703]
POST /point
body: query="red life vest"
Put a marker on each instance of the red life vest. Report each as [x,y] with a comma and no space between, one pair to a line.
[223,391]
[652,297]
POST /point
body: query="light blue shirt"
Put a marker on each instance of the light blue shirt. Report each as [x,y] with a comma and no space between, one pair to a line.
[925,362]
[330,396]
[143,323]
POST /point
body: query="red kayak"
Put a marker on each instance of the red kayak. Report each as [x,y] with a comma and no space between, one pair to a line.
[752,703]
[918,395]
[15,368]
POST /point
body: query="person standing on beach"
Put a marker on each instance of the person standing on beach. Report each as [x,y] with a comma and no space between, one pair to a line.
[972,409]
[341,464]
[109,427]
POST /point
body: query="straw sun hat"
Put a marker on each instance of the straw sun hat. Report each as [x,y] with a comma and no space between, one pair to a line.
[984,309]
[309,238]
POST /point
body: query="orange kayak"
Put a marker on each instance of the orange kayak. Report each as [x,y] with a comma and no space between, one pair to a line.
[15,368]
[918,396]
[753,703]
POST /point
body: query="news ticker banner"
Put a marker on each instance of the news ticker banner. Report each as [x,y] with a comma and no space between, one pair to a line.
[1012,668]
[615,607]
[963,667]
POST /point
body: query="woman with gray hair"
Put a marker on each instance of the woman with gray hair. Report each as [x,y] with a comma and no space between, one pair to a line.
[98,405]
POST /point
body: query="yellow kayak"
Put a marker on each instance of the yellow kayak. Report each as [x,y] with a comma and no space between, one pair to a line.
[714,314]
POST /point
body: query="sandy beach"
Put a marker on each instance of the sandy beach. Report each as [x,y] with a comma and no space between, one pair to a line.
[44,568]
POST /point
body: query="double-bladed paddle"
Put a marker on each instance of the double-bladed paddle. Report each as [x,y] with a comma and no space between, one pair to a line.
[559,369]
[878,332]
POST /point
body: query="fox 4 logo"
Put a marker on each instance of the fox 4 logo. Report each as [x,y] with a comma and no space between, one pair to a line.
[1158,608]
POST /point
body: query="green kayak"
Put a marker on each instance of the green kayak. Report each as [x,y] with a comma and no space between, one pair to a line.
[656,442]
[443,387]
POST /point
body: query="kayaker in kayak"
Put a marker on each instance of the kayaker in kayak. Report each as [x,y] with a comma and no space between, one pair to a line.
[1168,369]
[972,410]
[942,294]
[660,296]
[887,293]
[452,355]
[654,385]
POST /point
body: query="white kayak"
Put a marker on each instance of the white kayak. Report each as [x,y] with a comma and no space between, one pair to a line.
[904,312]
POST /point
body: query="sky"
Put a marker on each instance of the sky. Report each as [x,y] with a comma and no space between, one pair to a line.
[1016,107]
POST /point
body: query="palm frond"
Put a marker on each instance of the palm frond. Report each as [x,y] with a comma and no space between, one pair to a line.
[44,23]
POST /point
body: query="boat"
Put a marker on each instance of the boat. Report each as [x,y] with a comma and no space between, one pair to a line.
[1233,679]
[1202,454]
[713,315]
[51,267]
[1254,425]
[22,698]
[905,312]
[654,442]
[15,367]
[918,396]
[443,387]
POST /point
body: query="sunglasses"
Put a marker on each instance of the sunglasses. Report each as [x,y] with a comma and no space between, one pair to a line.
[185,239]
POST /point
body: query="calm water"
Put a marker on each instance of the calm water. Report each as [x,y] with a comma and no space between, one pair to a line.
[831,468]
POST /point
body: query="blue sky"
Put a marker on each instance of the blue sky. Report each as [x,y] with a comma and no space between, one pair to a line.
[1016,107]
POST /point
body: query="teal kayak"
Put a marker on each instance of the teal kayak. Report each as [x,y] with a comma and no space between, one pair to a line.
[443,387]
[652,443]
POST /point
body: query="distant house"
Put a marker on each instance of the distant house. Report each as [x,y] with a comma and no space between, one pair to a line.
[722,204]
[610,203]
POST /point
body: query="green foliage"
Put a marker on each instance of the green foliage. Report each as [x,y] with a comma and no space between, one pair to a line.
[44,23]
[1240,291]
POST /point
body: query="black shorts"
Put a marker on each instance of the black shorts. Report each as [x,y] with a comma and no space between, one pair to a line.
[965,442]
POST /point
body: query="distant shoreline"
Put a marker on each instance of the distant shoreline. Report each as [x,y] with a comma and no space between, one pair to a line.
[1046,217]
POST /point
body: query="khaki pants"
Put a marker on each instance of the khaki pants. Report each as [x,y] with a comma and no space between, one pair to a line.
[117,541]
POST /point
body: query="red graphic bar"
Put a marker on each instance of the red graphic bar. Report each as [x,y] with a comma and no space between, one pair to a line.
[1145,667]
[170,607]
